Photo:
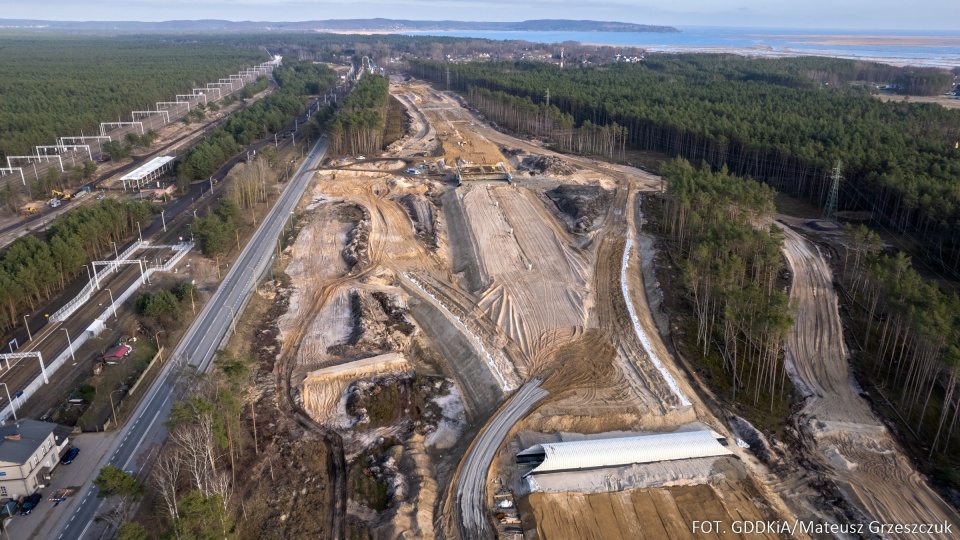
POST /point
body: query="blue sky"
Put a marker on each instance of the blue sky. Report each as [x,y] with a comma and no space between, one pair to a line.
[840,14]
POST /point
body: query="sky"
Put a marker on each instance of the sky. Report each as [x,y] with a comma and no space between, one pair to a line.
[828,14]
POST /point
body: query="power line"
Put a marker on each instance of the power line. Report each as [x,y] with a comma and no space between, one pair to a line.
[831,207]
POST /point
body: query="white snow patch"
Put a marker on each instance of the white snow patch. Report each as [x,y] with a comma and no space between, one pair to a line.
[794,375]
[639,330]
[453,421]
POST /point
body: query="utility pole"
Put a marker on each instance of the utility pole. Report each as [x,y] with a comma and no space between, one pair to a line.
[831,208]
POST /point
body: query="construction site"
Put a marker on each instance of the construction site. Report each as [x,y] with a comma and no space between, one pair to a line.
[478,320]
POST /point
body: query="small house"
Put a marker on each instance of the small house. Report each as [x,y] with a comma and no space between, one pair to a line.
[118,353]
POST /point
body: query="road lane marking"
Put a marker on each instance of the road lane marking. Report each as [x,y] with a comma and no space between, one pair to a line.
[194,339]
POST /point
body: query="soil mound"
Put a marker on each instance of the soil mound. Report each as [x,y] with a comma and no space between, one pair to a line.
[549,165]
[583,204]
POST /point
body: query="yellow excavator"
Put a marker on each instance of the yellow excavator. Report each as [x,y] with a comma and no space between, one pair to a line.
[61,195]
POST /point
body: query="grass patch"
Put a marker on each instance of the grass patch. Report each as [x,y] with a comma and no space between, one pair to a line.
[110,381]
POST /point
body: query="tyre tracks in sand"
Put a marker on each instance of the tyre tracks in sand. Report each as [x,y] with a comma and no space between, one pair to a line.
[839,430]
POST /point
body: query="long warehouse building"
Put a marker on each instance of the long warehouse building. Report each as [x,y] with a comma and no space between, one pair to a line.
[600,453]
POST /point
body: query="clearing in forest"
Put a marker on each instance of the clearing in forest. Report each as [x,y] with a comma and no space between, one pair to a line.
[845,436]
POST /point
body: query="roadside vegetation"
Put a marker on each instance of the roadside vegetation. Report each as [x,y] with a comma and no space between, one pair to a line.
[214,232]
[784,121]
[908,331]
[255,87]
[11,194]
[64,85]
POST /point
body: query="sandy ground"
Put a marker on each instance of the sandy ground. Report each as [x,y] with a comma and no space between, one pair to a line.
[323,388]
[493,279]
[315,258]
[652,514]
[840,428]
[537,283]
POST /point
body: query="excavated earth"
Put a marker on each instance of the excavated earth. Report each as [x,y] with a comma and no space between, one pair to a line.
[417,308]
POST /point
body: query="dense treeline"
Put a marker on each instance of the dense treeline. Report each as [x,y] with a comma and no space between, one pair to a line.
[771,119]
[382,47]
[214,232]
[538,119]
[266,116]
[911,332]
[256,87]
[33,270]
[360,124]
[60,86]
[721,231]
[924,82]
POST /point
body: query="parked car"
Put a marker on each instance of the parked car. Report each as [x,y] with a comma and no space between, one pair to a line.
[70,456]
[30,503]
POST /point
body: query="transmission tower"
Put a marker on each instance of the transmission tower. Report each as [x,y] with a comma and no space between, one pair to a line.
[831,208]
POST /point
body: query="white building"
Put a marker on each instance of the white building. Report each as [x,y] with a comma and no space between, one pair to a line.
[29,451]
[600,453]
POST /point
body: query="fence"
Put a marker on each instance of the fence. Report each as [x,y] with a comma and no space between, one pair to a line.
[37,383]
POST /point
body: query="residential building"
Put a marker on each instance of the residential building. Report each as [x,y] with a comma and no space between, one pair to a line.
[29,451]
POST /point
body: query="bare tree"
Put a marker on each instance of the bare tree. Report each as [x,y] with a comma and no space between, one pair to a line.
[195,443]
[165,476]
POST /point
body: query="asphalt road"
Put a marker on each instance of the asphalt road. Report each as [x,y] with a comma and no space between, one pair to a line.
[472,480]
[139,437]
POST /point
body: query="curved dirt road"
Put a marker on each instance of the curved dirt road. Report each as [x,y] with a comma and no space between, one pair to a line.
[839,428]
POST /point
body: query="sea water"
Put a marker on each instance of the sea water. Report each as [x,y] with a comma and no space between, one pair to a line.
[924,48]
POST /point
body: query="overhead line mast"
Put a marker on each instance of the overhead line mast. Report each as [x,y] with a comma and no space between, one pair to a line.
[830,209]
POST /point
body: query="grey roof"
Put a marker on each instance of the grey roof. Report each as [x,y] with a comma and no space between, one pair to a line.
[32,434]
[594,453]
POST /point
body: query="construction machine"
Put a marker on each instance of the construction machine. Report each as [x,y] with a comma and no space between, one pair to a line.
[60,195]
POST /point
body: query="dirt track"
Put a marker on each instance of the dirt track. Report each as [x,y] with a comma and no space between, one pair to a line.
[505,292]
[839,427]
